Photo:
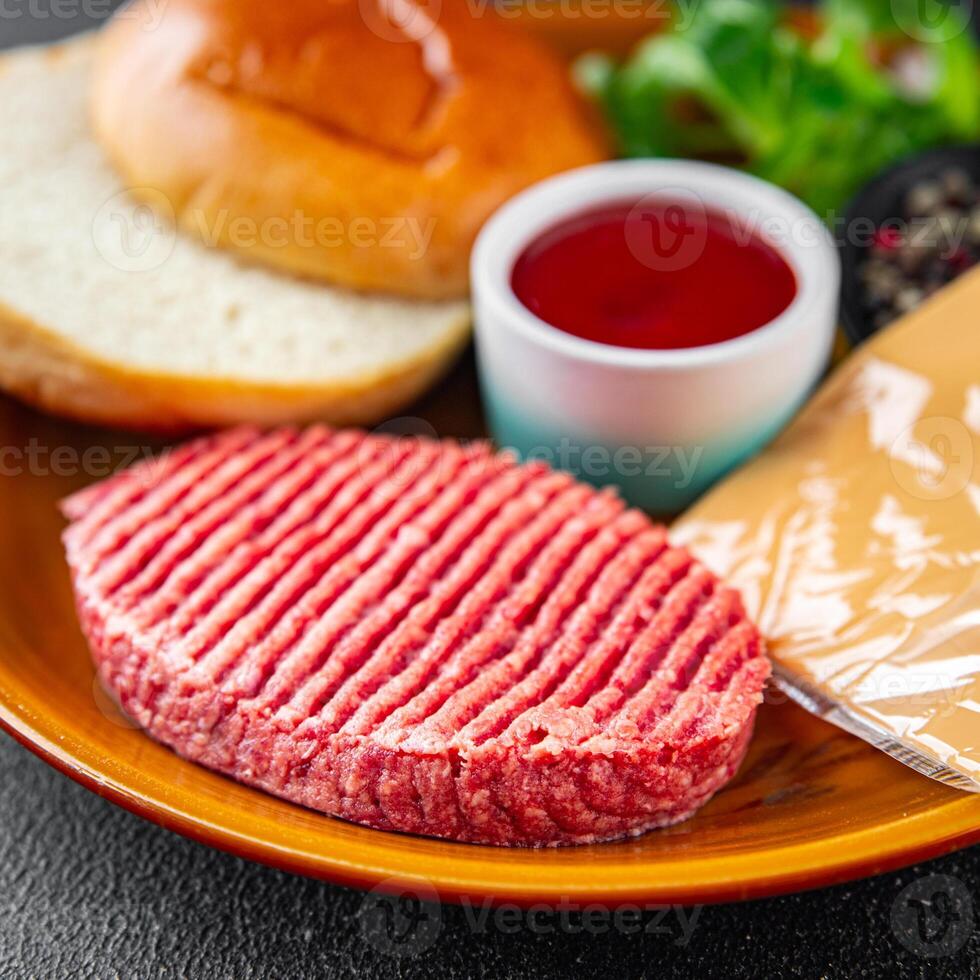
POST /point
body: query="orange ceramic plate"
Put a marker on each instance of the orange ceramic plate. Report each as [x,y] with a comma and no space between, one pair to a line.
[810,806]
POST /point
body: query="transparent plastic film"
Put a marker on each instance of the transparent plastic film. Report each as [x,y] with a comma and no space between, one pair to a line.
[855,539]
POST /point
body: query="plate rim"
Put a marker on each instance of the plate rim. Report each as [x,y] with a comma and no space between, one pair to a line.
[798,867]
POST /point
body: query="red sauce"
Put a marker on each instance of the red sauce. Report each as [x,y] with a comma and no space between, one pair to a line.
[660,276]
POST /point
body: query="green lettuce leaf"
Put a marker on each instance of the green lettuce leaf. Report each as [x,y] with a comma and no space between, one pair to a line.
[882,79]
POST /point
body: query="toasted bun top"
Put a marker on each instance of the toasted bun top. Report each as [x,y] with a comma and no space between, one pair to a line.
[362,142]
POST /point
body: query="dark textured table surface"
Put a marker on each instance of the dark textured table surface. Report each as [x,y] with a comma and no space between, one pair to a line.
[89,890]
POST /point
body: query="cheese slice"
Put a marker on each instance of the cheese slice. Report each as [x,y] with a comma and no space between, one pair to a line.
[856,541]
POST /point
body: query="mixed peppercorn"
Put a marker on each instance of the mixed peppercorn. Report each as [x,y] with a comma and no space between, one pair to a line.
[935,239]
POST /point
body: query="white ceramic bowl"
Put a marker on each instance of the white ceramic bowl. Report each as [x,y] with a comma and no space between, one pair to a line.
[662,424]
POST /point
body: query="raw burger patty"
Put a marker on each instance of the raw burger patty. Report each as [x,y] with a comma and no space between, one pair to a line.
[415,635]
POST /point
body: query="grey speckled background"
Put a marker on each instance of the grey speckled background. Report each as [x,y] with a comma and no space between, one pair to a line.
[89,890]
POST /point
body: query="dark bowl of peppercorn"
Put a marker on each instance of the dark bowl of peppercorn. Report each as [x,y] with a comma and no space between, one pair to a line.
[912,230]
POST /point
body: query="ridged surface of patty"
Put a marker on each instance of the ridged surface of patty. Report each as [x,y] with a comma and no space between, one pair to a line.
[415,635]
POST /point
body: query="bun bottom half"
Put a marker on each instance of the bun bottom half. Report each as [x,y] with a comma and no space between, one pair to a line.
[176,335]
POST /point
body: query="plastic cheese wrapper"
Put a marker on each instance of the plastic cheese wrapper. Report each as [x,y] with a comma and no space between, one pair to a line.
[855,539]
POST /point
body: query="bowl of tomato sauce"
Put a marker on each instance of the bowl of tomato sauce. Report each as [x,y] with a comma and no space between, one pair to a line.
[651,323]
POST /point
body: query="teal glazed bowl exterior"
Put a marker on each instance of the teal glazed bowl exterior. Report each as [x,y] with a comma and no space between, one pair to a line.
[662,425]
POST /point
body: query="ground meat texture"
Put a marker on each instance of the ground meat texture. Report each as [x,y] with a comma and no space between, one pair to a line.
[415,635]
